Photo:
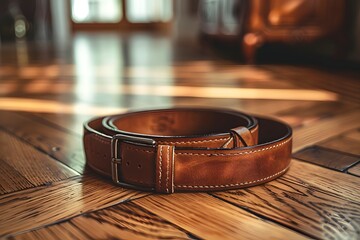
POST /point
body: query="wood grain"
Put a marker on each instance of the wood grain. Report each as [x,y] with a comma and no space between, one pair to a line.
[261,107]
[355,170]
[327,158]
[61,145]
[316,78]
[188,211]
[34,166]
[345,186]
[324,129]
[36,207]
[125,221]
[347,142]
[308,207]
[354,135]
[42,197]
[69,122]
[303,115]
[11,180]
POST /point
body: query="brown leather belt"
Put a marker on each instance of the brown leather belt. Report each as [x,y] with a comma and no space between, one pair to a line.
[187,149]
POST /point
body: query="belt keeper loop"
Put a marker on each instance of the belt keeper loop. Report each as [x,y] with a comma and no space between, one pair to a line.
[242,137]
[165,169]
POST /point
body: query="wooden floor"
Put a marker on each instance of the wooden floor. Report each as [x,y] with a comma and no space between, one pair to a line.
[47,192]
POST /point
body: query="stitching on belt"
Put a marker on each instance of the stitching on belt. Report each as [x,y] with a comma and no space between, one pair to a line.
[167,169]
[160,166]
[198,141]
[172,169]
[233,184]
[234,154]
[216,154]
[139,150]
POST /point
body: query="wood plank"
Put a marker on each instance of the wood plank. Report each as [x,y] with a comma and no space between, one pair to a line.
[355,170]
[309,207]
[70,122]
[61,145]
[266,107]
[344,143]
[345,186]
[304,115]
[307,199]
[127,221]
[325,128]
[347,86]
[230,76]
[326,158]
[354,135]
[11,180]
[255,106]
[36,207]
[211,218]
[34,166]
[74,122]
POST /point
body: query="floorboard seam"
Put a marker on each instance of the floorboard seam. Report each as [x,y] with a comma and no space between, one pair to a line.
[264,218]
[38,149]
[69,218]
[50,123]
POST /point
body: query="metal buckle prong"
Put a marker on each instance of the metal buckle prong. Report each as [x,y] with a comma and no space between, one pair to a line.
[116,158]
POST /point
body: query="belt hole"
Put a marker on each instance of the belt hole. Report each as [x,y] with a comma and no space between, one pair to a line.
[139,166]
[127,163]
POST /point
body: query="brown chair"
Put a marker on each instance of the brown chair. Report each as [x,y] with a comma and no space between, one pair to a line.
[271,21]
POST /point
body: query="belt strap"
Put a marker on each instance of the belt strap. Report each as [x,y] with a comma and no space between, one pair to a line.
[187,149]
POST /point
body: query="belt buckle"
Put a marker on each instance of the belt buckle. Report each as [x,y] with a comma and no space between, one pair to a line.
[116,159]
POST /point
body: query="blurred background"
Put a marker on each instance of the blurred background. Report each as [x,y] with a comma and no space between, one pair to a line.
[248,31]
[63,62]
[93,57]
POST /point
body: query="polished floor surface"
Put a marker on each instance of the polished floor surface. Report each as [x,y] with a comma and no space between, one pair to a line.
[47,192]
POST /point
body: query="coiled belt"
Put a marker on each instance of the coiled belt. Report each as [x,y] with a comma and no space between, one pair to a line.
[187,149]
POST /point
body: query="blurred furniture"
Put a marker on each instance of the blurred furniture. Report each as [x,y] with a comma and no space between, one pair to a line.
[254,22]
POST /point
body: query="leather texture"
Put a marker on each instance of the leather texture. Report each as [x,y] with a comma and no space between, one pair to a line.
[187,149]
